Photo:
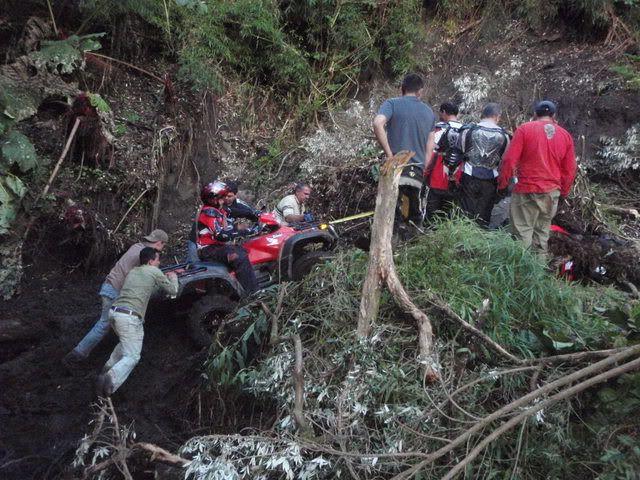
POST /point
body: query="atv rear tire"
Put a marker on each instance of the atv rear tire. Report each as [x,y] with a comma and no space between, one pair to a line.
[206,316]
[303,265]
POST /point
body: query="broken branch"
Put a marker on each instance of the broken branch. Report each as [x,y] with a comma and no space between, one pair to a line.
[530,397]
[562,395]
[298,368]
[483,337]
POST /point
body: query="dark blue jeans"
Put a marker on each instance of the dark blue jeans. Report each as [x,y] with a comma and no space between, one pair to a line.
[101,328]
[235,257]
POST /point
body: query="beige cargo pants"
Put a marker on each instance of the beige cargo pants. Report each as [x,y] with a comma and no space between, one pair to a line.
[531,215]
[126,355]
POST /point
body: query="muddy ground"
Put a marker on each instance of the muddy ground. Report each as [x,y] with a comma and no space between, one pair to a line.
[45,409]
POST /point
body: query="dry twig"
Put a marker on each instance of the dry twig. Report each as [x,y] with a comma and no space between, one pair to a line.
[562,395]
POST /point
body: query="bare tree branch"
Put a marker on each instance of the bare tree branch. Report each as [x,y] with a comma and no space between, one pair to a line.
[533,396]
[298,369]
[562,395]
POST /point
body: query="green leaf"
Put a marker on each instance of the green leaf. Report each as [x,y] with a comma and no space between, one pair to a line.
[66,55]
[16,185]
[98,102]
[16,103]
[557,343]
[626,440]
[5,123]
[17,149]
[607,395]
[89,43]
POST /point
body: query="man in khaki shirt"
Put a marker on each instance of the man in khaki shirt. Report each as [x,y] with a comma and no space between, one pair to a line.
[109,292]
[127,318]
[292,208]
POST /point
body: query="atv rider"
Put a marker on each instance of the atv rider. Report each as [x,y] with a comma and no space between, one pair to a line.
[236,208]
[213,232]
[239,215]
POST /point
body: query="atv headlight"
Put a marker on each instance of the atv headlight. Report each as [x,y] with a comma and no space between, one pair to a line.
[324,226]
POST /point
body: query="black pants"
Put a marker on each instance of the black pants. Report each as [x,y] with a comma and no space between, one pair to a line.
[239,263]
[477,197]
[412,195]
[439,202]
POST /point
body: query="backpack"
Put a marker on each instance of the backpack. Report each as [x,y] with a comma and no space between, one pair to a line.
[448,142]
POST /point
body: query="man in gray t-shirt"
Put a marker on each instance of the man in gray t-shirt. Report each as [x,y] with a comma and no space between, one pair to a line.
[406,123]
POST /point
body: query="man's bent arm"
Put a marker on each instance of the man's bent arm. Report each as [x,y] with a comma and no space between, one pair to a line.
[568,169]
[294,218]
[510,160]
[379,122]
[429,156]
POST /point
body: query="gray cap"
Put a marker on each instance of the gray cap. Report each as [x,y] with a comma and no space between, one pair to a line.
[157,236]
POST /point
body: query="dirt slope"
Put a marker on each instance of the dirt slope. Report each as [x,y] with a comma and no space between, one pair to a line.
[45,409]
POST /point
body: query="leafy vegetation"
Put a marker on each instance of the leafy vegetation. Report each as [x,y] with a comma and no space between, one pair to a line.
[370,394]
[17,153]
[19,102]
[311,51]
[65,56]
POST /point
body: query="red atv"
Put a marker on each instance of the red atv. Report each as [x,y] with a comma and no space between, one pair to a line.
[209,291]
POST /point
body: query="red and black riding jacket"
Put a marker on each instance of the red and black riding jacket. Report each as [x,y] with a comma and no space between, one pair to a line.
[212,227]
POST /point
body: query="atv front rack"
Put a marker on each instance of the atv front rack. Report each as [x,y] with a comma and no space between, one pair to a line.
[187,271]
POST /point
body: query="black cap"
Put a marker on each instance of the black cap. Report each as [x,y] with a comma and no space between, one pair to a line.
[545,108]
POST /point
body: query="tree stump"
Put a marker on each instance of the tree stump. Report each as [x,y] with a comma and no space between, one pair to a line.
[381,267]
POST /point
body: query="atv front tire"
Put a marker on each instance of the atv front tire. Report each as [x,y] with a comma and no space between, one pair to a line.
[303,265]
[206,317]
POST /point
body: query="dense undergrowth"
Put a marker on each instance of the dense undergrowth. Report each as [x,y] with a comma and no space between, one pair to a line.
[312,53]
[369,397]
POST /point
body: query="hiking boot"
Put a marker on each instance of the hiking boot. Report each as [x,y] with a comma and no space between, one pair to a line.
[73,360]
[104,385]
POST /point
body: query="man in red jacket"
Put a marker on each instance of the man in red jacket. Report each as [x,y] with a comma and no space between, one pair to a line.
[542,157]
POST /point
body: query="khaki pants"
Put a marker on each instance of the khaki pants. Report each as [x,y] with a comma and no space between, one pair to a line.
[126,355]
[531,215]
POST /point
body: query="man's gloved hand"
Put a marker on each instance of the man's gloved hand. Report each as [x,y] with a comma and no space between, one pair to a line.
[308,217]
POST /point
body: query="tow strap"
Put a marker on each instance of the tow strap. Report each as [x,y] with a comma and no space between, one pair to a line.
[352,217]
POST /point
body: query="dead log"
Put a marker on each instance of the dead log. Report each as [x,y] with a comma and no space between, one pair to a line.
[381,267]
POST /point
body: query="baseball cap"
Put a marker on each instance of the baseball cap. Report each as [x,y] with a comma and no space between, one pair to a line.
[157,236]
[545,107]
